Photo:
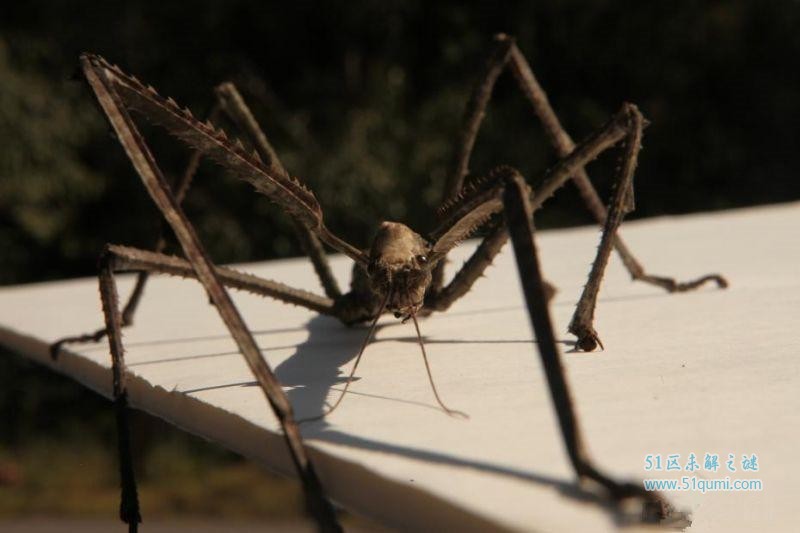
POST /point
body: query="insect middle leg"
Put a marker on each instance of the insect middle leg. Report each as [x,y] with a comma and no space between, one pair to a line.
[622,202]
[131,259]
[180,190]
[129,309]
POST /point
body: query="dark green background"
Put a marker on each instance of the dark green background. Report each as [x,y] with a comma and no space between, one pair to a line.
[363,100]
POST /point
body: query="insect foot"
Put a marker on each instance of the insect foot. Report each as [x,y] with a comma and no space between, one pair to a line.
[656,510]
[588,340]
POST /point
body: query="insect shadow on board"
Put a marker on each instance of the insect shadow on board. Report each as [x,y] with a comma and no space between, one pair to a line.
[401,272]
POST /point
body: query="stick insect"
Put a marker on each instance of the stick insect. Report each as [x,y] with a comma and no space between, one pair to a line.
[401,272]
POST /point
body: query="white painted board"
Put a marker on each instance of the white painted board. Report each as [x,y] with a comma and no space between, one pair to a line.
[712,371]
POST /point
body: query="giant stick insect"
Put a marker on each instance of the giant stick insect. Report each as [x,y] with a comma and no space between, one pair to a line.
[401,272]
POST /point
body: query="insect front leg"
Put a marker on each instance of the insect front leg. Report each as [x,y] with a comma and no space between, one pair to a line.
[229,103]
[240,114]
[473,269]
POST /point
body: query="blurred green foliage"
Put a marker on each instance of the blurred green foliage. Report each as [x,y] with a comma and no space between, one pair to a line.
[363,100]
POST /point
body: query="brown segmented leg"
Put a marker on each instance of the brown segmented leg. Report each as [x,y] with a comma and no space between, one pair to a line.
[123,258]
[129,501]
[129,310]
[602,139]
[153,180]
[563,145]
[134,259]
[238,111]
[288,193]
[507,192]
[230,101]
[507,54]
[472,269]
[622,203]
[518,213]
[471,123]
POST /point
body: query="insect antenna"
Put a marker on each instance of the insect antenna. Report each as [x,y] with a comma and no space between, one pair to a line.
[355,365]
[451,412]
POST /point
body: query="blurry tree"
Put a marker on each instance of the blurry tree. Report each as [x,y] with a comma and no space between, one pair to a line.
[44,180]
[363,99]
